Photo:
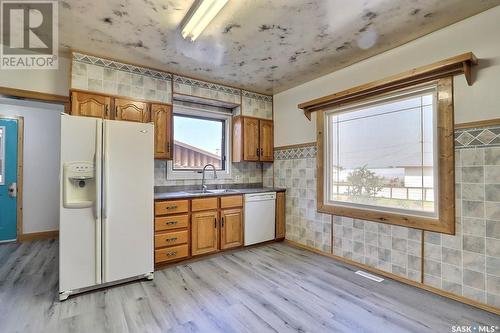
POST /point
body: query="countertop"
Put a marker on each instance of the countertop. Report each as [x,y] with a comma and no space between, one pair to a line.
[175,193]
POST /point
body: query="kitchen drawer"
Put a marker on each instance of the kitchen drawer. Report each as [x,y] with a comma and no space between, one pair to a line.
[231,201]
[171,238]
[203,204]
[171,207]
[171,222]
[171,253]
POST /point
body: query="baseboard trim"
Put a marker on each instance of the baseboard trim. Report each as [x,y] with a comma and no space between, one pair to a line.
[38,235]
[398,278]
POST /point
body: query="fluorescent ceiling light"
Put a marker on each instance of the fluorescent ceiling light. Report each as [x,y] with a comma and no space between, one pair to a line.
[199,16]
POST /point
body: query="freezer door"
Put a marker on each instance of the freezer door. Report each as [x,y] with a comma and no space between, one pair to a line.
[79,240]
[128,186]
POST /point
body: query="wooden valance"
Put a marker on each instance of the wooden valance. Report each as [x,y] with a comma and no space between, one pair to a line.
[448,67]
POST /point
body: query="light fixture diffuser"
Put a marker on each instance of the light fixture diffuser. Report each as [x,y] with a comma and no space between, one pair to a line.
[199,16]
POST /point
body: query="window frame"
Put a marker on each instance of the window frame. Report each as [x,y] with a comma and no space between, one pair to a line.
[223,143]
[199,113]
[444,222]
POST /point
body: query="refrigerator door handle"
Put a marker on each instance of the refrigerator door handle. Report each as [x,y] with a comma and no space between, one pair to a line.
[105,208]
[97,205]
[104,173]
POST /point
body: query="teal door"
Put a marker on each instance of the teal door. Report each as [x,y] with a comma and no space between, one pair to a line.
[8,179]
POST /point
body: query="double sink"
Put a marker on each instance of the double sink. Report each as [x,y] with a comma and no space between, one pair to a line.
[216,191]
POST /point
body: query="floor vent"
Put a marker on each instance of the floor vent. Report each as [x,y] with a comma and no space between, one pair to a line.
[370,276]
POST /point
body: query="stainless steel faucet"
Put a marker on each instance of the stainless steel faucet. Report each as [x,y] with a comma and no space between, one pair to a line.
[203,186]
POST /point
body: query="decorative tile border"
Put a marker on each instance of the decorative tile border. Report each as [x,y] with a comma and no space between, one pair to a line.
[290,153]
[477,137]
[106,63]
[256,96]
[206,85]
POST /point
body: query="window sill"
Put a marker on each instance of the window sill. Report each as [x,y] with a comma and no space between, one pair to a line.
[444,225]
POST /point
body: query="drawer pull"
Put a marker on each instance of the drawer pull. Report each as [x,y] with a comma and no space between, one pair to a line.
[171,223]
[173,253]
[171,239]
[171,207]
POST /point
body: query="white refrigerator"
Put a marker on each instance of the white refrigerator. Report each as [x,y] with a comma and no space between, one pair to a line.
[106,203]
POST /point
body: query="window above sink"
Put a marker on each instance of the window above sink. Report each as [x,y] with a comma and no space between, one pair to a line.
[201,136]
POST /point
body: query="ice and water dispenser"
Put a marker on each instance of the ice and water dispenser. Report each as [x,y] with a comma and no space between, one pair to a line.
[79,184]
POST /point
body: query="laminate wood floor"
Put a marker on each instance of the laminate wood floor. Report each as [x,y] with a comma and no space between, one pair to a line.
[272,288]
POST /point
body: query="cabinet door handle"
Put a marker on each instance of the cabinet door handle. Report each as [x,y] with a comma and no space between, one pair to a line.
[261,151]
[258,152]
[106,111]
[168,147]
[116,112]
[222,222]
[171,239]
[215,222]
[173,253]
[171,223]
[171,207]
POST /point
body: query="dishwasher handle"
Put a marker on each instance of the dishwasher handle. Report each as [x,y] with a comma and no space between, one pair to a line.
[260,196]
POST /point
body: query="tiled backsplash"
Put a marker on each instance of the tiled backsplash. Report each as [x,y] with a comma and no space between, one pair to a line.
[465,264]
[243,173]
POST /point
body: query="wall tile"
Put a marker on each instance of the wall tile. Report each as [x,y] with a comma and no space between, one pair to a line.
[473,174]
[474,279]
[474,261]
[492,174]
[492,192]
[471,157]
[472,192]
[492,156]
[115,78]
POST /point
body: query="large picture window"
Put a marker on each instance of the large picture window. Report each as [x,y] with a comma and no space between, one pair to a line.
[389,158]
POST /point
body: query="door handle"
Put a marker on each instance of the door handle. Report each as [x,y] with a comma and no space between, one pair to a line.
[222,222]
[13,190]
[215,222]
[258,151]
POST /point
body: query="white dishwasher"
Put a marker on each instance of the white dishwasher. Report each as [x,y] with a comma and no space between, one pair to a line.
[260,220]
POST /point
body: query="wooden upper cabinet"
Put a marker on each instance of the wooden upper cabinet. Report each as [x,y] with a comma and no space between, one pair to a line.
[266,141]
[90,105]
[231,228]
[253,139]
[161,115]
[204,232]
[130,110]
[250,139]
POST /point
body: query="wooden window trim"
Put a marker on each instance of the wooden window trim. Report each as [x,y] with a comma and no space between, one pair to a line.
[445,222]
[460,64]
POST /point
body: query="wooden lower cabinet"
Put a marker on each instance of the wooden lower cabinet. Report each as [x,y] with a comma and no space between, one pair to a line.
[186,228]
[204,232]
[280,215]
[231,228]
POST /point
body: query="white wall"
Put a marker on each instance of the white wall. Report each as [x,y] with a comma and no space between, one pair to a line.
[51,81]
[41,162]
[479,34]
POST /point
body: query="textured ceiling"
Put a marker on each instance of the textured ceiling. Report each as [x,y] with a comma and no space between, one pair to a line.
[264,46]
